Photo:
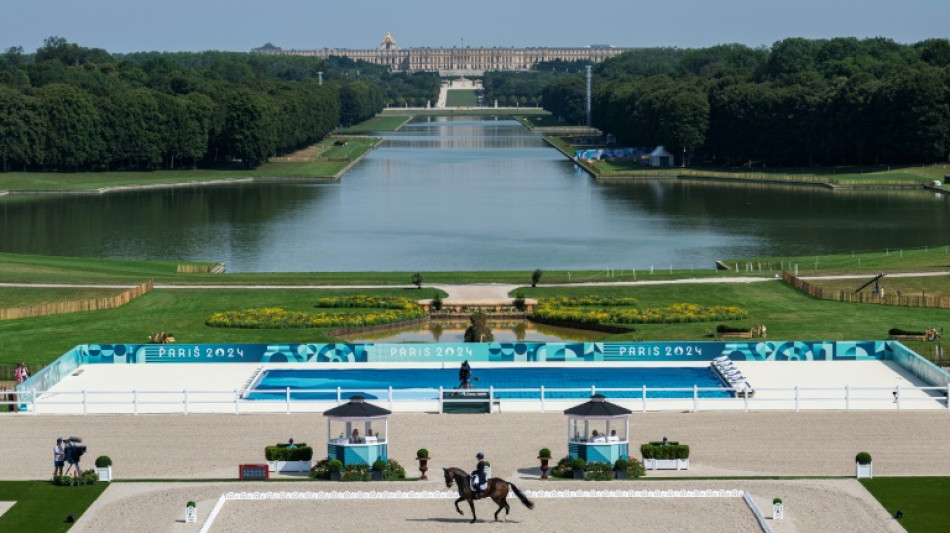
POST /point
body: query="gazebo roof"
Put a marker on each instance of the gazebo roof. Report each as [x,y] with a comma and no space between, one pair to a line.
[597,407]
[357,408]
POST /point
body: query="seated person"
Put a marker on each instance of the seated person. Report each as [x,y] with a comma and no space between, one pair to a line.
[290,443]
[597,437]
[613,436]
[355,437]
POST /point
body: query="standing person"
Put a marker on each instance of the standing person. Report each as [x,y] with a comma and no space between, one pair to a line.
[24,371]
[18,373]
[465,373]
[59,457]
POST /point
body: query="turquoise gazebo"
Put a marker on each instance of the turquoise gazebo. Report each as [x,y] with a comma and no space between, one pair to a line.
[368,446]
[598,430]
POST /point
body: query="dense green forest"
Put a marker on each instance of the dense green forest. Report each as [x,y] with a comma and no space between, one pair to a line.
[514,88]
[801,102]
[71,108]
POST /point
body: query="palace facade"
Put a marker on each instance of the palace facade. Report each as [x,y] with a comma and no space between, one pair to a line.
[455,59]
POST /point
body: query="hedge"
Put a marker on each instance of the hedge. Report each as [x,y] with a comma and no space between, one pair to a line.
[670,451]
[283,453]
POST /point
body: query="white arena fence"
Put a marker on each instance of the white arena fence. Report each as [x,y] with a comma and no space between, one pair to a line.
[451,495]
[185,401]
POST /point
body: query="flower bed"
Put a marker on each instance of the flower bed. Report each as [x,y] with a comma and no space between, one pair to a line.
[277,318]
[358,471]
[618,311]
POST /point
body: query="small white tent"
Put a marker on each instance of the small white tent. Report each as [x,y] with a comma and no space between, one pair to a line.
[661,158]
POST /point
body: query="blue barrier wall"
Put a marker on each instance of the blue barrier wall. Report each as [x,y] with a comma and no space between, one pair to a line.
[919,366]
[525,352]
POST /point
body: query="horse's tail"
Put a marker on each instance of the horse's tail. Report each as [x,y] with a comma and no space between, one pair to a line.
[524,499]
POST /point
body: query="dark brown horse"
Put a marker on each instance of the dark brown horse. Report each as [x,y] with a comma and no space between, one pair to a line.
[497,490]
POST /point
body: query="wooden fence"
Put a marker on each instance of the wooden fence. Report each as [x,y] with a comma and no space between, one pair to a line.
[77,306]
[838,295]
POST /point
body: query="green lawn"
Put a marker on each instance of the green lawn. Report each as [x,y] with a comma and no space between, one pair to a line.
[921,499]
[461,98]
[788,313]
[931,258]
[379,123]
[42,507]
[478,111]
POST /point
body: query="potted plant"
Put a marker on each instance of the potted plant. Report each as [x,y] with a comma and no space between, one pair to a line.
[669,456]
[191,513]
[620,468]
[422,455]
[579,466]
[104,467]
[863,465]
[778,510]
[336,469]
[379,470]
[544,455]
[282,458]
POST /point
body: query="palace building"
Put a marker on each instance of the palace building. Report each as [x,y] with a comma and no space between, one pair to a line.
[464,60]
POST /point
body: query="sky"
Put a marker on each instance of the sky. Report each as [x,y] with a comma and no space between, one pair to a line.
[121,26]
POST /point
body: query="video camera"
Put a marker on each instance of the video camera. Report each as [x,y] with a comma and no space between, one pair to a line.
[73,451]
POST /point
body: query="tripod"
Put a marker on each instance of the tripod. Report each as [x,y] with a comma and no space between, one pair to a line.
[74,467]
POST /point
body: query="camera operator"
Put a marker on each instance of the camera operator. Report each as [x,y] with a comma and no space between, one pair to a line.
[73,453]
[59,457]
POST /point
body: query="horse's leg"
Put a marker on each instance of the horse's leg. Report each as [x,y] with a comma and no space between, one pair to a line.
[471,503]
[457,505]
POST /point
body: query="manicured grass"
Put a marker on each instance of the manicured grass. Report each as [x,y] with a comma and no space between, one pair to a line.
[788,313]
[46,181]
[16,268]
[27,296]
[461,98]
[542,121]
[921,499]
[378,123]
[42,507]
[932,258]
[178,312]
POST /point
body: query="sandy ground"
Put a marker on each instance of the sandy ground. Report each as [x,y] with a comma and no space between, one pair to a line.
[211,446]
[827,505]
[722,444]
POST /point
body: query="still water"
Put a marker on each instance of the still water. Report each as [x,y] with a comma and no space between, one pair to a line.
[449,193]
[454,332]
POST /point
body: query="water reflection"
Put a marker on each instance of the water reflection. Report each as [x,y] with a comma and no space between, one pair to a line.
[454,331]
[451,193]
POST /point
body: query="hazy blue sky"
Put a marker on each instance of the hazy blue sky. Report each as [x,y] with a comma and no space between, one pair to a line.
[173,25]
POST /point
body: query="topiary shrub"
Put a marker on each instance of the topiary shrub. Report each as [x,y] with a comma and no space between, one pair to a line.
[335,465]
[579,464]
[621,464]
[190,504]
[863,458]
[670,451]
[379,465]
[776,501]
[545,453]
[422,453]
[103,461]
[563,468]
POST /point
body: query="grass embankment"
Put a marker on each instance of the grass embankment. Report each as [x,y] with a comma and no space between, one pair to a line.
[929,259]
[461,98]
[920,499]
[378,123]
[42,507]
[16,268]
[61,181]
[850,176]
[29,296]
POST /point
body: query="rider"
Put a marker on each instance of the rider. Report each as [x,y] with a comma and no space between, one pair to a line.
[465,373]
[480,474]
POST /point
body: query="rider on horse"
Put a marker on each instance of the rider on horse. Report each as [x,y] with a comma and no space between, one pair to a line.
[480,474]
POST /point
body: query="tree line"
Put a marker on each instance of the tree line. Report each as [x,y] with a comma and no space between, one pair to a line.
[70,108]
[801,102]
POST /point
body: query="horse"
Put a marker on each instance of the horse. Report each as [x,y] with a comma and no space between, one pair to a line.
[497,490]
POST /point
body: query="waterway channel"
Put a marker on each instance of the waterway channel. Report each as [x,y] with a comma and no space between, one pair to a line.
[450,193]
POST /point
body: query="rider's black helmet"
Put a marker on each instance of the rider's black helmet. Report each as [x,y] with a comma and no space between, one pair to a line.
[479,455]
